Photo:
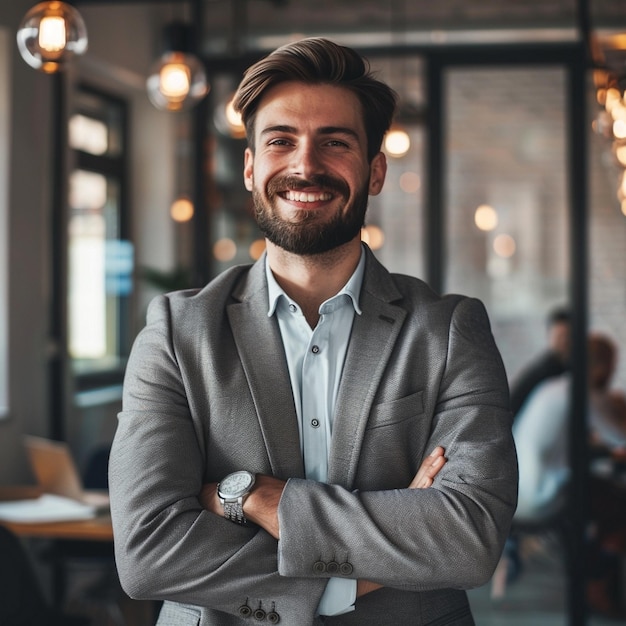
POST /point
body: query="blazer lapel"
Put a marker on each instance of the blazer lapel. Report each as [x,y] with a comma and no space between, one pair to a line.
[374,334]
[260,348]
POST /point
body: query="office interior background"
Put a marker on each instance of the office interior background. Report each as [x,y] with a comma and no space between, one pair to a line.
[512,189]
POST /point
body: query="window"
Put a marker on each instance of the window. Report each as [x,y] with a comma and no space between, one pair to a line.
[100,256]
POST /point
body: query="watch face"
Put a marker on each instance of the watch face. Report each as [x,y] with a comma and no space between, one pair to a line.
[236,484]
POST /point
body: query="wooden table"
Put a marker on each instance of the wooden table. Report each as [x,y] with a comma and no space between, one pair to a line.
[96,529]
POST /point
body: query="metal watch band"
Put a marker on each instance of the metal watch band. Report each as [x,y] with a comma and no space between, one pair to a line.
[233,511]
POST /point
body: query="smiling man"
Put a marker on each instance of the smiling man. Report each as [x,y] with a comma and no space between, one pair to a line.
[280,453]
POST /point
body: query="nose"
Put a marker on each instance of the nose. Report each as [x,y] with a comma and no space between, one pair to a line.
[307,160]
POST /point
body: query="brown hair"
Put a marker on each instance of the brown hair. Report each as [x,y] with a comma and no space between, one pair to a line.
[602,355]
[319,61]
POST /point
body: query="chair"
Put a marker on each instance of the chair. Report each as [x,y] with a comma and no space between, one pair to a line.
[554,527]
[99,590]
[23,602]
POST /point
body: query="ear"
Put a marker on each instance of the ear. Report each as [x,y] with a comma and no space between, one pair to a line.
[378,171]
[248,169]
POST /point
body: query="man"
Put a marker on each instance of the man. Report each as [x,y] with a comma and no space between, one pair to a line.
[552,362]
[311,386]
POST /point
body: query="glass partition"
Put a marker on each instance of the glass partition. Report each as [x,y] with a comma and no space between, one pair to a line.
[506,199]
[507,243]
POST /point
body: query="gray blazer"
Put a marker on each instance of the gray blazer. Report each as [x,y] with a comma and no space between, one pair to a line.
[207,392]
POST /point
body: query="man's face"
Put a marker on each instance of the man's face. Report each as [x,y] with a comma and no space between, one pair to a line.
[309,175]
[559,339]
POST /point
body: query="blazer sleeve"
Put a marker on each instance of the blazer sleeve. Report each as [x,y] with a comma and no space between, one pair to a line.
[450,535]
[167,546]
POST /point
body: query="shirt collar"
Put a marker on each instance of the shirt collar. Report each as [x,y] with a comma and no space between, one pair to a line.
[352,288]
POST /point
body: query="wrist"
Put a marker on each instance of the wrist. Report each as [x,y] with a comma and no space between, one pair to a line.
[232,491]
[261,505]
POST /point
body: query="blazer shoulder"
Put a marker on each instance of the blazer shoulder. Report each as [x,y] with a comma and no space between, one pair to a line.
[233,284]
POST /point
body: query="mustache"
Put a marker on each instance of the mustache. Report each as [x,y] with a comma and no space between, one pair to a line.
[323,181]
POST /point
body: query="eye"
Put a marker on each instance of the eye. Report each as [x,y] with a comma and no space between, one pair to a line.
[337,143]
[279,142]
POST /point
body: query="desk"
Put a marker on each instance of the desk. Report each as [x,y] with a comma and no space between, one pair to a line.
[96,529]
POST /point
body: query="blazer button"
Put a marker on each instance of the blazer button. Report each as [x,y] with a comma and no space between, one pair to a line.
[273,617]
[332,567]
[319,567]
[259,615]
[345,569]
[245,611]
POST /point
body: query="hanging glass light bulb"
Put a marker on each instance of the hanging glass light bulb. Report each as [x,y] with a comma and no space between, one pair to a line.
[50,34]
[177,80]
[228,121]
[397,141]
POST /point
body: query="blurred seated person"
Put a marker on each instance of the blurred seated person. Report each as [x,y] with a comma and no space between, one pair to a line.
[550,363]
[540,430]
[540,434]
[607,495]
[541,437]
[607,406]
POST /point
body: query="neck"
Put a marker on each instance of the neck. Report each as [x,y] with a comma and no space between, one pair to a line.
[311,280]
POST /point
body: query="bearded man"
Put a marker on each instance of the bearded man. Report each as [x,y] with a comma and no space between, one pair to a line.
[280,453]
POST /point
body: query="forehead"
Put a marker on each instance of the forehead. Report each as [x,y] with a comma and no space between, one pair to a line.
[301,105]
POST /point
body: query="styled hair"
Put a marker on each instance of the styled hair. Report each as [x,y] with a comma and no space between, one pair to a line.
[318,61]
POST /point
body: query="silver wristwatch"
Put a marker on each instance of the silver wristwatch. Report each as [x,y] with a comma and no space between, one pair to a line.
[232,492]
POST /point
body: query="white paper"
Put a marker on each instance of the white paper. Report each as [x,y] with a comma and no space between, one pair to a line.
[45,508]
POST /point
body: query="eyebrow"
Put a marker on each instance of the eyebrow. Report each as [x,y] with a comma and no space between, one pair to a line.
[324,130]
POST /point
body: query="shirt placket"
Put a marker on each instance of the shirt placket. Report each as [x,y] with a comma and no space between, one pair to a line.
[315,417]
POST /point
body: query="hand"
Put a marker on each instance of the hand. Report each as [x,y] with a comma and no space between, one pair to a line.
[423,479]
[429,469]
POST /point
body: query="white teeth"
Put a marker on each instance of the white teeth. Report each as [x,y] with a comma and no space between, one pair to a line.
[304,196]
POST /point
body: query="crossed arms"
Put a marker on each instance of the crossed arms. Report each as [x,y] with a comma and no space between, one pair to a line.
[261,506]
[189,418]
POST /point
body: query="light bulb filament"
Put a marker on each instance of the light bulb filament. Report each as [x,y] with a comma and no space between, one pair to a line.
[175,80]
[52,36]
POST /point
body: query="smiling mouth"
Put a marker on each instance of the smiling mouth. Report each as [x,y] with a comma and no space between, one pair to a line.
[306,196]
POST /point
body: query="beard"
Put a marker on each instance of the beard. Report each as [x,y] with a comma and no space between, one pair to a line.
[310,235]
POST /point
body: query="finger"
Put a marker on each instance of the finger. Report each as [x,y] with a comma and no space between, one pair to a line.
[429,469]
[425,477]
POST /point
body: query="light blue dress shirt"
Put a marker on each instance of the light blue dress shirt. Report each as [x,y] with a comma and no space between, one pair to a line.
[315,359]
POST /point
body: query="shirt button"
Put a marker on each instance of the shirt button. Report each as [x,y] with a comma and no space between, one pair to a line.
[293,308]
[315,349]
[315,423]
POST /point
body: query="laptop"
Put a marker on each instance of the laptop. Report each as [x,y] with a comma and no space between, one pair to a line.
[56,472]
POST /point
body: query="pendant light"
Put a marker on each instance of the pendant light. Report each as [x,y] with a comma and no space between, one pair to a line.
[397,141]
[177,81]
[50,34]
